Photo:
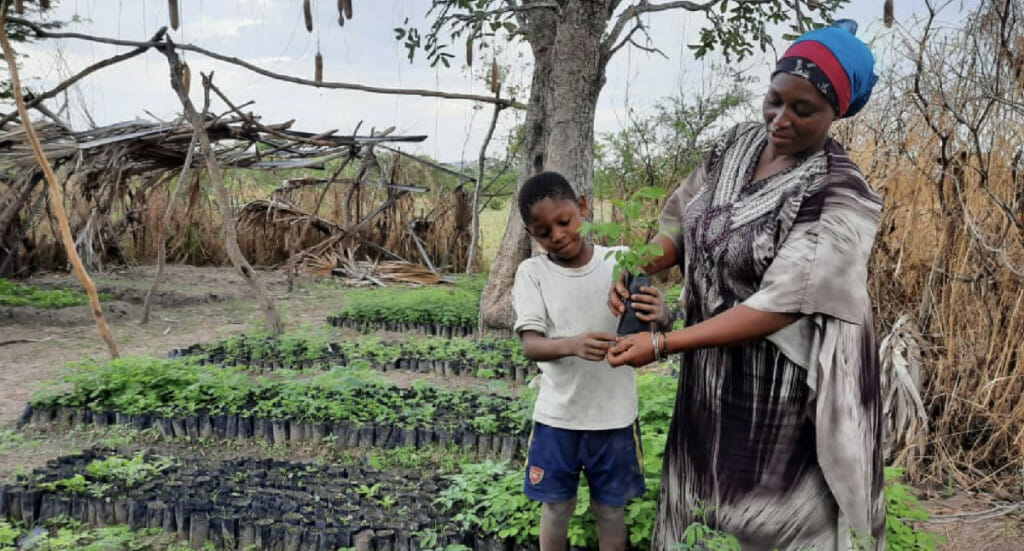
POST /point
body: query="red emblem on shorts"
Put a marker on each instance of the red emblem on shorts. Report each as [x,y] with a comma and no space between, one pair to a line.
[536,475]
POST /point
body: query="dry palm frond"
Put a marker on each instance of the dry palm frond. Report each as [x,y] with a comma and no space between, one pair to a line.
[321,258]
[407,272]
[380,272]
[906,421]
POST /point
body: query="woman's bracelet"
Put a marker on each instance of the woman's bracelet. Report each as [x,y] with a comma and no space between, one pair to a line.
[663,341]
[654,343]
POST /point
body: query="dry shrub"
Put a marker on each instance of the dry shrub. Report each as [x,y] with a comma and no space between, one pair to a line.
[194,236]
[943,145]
[312,229]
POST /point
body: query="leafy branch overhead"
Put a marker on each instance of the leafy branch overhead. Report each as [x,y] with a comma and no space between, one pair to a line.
[634,231]
[734,27]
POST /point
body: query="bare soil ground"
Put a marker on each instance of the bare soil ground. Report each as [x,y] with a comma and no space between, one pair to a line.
[210,303]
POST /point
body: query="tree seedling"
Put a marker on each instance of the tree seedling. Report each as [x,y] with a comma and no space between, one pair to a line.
[635,231]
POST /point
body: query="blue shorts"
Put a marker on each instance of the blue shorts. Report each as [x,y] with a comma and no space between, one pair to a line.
[611,459]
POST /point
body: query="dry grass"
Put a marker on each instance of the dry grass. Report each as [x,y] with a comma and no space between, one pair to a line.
[946,259]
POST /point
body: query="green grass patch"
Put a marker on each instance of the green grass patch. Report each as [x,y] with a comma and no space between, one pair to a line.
[20,294]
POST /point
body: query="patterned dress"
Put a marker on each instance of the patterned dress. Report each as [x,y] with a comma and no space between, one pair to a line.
[777,442]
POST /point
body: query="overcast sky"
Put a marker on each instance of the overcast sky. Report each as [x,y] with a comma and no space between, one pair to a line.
[271,34]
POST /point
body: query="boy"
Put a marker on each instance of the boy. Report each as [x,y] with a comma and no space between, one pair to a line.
[585,418]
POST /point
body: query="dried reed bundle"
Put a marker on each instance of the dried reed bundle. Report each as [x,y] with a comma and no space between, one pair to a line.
[307,14]
[318,69]
[272,231]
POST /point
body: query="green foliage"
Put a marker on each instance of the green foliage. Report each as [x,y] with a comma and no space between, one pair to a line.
[902,510]
[19,33]
[486,356]
[466,18]
[179,387]
[698,536]
[19,294]
[100,474]
[127,471]
[448,458]
[735,28]
[488,498]
[62,534]
[8,535]
[639,251]
[456,306]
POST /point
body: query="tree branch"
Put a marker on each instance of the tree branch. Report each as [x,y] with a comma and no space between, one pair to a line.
[56,197]
[213,170]
[481,164]
[643,6]
[43,33]
[85,72]
[513,9]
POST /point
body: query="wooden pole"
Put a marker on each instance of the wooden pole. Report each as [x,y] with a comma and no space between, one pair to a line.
[274,325]
[161,231]
[474,236]
[56,197]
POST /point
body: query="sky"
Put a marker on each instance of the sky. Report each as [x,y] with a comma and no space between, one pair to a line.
[272,34]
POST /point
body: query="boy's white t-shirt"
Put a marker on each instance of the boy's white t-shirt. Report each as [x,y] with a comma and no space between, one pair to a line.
[560,302]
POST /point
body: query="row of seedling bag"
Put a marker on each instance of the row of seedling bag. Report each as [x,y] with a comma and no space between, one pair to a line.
[487,358]
[351,407]
[244,504]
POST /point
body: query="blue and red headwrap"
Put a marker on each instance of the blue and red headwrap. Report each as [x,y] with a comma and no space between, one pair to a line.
[836,62]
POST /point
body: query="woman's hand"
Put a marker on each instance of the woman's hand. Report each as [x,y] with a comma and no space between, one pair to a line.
[617,296]
[636,350]
[650,306]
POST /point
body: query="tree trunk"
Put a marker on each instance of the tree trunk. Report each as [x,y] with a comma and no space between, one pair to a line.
[568,74]
[274,325]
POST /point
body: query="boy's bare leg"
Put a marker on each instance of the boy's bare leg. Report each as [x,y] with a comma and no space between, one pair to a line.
[611,526]
[554,524]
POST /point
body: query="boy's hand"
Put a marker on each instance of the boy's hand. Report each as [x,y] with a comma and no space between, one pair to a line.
[650,306]
[617,296]
[636,350]
[592,346]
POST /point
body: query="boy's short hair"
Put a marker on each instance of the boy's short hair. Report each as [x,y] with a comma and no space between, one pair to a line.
[546,185]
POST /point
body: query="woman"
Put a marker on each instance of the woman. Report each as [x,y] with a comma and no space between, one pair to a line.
[775,437]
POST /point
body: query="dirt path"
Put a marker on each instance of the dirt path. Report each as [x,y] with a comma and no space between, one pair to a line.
[195,305]
[206,304]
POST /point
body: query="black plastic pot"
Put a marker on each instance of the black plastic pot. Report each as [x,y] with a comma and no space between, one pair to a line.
[628,323]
